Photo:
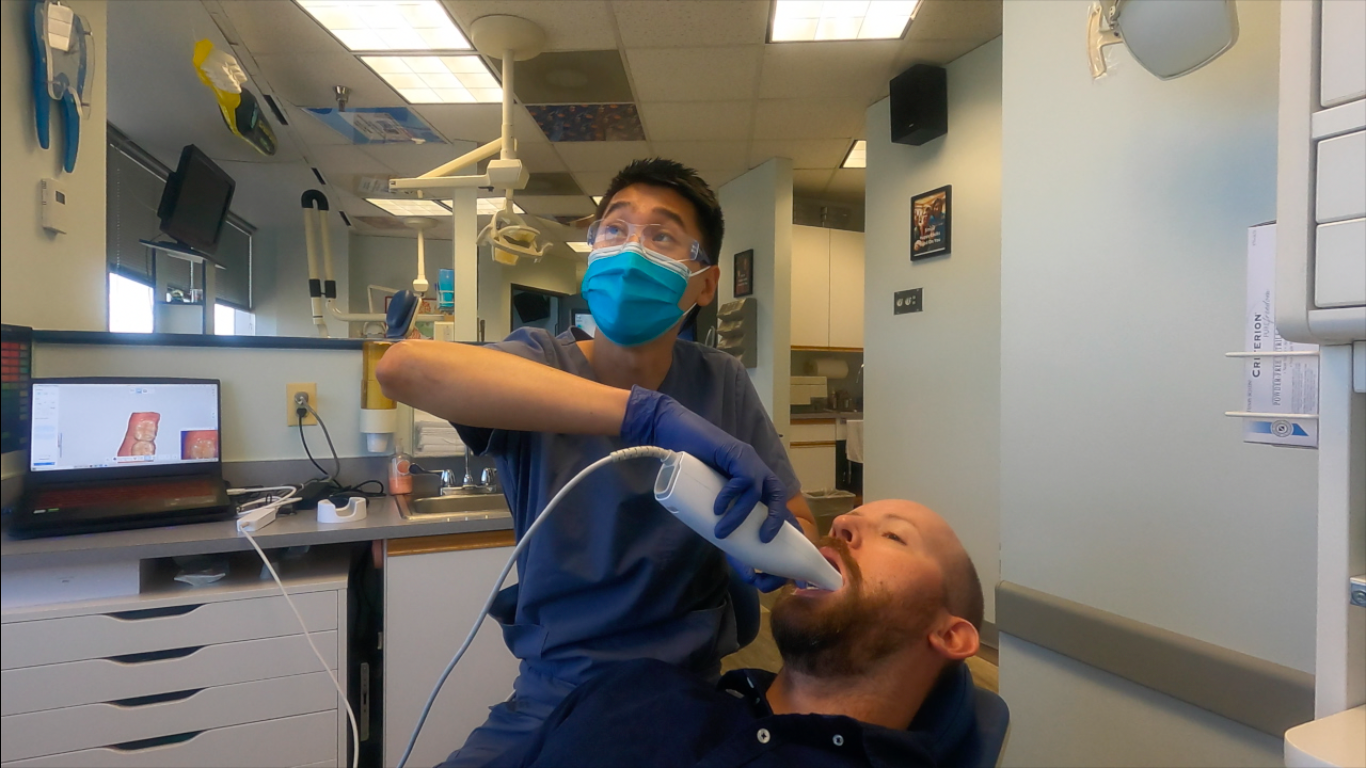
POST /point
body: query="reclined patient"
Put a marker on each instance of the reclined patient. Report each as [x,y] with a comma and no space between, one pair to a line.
[857,665]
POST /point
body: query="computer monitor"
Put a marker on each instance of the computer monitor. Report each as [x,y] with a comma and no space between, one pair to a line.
[106,428]
[195,202]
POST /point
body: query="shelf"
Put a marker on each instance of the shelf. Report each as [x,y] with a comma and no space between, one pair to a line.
[858,350]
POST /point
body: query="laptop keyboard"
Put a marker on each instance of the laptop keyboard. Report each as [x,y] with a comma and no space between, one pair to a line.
[177,492]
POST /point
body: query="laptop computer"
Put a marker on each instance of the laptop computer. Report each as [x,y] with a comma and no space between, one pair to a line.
[115,453]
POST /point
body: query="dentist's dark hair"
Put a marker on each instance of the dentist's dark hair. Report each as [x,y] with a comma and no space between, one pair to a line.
[658,172]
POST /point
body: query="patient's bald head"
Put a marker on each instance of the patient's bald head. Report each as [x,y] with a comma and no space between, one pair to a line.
[910,586]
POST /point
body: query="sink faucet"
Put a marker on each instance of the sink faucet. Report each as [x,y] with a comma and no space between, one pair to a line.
[469,470]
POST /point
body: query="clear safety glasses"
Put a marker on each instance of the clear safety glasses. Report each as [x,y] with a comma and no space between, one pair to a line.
[666,239]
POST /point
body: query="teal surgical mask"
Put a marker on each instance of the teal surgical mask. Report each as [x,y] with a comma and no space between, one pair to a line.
[633,292]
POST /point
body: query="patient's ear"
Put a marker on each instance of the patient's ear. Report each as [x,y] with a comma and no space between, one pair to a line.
[954,638]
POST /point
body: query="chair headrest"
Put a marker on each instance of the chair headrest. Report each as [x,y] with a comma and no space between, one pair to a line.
[948,716]
[402,310]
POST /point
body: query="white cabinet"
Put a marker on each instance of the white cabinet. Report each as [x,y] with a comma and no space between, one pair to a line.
[216,676]
[433,589]
[846,289]
[1342,70]
[813,453]
[810,286]
[827,287]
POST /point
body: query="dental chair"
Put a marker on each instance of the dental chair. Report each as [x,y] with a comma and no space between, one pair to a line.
[967,724]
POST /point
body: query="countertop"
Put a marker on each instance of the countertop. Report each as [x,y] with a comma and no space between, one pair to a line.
[1337,741]
[827,415]
[383,521]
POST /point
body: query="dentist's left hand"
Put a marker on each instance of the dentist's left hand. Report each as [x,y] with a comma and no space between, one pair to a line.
[656,419]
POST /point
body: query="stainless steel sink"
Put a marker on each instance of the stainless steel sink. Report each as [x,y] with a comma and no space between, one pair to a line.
[465,505]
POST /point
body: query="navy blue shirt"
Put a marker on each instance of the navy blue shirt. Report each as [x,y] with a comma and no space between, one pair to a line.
[644,713]
[613,576]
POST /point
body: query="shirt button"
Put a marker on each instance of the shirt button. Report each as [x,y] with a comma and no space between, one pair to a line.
[763,736]
[839,740]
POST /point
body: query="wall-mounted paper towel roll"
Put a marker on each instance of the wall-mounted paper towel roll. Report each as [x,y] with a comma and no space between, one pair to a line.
[829,367]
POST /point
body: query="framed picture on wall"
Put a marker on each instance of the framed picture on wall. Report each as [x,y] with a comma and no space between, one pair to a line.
[931,223]
[744,273]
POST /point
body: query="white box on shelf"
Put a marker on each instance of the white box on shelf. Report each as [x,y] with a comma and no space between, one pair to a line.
[1286,384]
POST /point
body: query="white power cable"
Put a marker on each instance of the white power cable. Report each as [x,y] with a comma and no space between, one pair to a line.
[277,502]
[645,451]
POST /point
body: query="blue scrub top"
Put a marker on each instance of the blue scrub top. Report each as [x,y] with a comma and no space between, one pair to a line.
[613,576]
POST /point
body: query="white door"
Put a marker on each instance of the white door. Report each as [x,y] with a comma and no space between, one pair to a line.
[810,286]
[430,601]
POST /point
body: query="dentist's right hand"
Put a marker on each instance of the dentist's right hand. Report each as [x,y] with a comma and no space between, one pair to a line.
[656,419]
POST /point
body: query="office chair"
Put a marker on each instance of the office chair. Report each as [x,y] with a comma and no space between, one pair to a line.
[967,724]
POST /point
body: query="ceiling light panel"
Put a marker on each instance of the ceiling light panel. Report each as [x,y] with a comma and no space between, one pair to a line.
[388,25]
[487,206]
[818,20]
[577,247]
[857,157]
[413,207]
[438,79]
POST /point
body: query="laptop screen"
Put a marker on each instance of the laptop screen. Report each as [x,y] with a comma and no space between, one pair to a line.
[126,424]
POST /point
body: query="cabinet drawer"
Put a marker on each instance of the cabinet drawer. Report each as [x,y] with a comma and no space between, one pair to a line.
[33,689]
[815,466]
[803,432]
[103,725]
[51,641]
[290,741]
[1342,166]
[1342,68]
[1340,264]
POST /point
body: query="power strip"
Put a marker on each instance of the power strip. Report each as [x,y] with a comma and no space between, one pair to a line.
[257,519]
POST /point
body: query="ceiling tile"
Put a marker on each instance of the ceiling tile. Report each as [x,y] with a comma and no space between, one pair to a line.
[278,26]
[855,70]
[308,79]
[978,20]
[335,161]
[717,178]
[600,156]
[524,128]
[695,74]
[810,182]
[809,118]
[696,120]
[469,122]
[582,25]
[576,205]
[573,77]
[415,159]
[653,24]
[541,158]
[938,52]
[704,154]
[847,184]
[804,153]
[595,182]
[309,129]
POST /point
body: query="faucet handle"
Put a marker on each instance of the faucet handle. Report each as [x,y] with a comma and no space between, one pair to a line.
[489,479]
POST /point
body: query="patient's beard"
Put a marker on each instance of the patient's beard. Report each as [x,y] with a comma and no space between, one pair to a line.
[845,635]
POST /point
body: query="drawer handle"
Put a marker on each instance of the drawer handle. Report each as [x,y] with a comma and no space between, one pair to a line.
[147,656]
[152,743]
[153,613]
[156,698]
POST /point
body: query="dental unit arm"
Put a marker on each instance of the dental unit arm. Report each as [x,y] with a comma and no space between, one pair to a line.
[687,488]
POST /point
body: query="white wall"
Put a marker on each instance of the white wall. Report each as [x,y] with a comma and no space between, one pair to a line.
[1125,204]
[281,278]
[392,261]
[50,281]
[758,211]
[256,414]
[932,379]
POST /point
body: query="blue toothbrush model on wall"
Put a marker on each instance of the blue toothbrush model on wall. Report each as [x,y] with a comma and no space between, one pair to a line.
[61,41]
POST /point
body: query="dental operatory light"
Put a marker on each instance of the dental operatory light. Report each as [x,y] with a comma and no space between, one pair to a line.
[487,206]
[388,25]
[857,156]
[461,79]
[1169,38]
[815,21]
[413,207]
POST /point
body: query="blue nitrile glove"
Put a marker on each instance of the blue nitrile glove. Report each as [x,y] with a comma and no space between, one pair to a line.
[656,419]
[764,582]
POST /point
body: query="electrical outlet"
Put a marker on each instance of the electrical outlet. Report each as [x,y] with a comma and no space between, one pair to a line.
[291,416]
[908,301]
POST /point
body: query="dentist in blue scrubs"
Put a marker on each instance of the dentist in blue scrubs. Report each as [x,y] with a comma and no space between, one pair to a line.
[612,576]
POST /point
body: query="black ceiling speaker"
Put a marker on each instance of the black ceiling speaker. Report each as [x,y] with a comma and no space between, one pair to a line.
[920,104]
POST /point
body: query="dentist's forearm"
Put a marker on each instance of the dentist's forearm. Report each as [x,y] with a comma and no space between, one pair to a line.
[482,387]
